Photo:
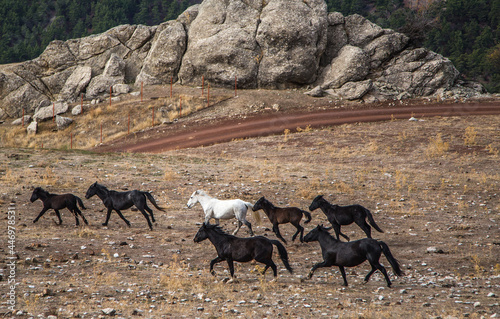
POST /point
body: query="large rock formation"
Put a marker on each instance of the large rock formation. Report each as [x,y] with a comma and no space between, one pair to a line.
[263,44]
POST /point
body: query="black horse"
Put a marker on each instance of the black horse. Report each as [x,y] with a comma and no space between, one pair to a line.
[57,202]
[342,254]
[231,248]
[117,201]
[345,215]
[283,215]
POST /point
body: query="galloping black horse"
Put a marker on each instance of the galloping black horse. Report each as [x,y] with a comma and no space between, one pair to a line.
[283,215]
[231,248]
[342,254]
[58,202]
[117,201]
[345,215]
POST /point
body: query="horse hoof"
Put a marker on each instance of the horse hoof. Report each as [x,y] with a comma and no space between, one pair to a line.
[104,224]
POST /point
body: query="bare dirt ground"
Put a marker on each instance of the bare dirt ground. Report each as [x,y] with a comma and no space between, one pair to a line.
[431,184]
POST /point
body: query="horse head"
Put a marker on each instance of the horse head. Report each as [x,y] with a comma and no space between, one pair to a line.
[313,235]
[194,197]
[92,190]
[316,202]
[202,233]
[259,204]
[36,194]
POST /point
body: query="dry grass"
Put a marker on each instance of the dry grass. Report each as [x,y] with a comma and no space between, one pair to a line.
[114,120]
[420,201]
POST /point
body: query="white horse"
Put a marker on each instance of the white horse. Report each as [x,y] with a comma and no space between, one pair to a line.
[223,209]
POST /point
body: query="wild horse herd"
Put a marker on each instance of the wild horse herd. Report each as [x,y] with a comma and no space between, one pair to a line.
[259,248]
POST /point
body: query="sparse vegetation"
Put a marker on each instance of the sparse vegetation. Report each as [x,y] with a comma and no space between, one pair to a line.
[447,201]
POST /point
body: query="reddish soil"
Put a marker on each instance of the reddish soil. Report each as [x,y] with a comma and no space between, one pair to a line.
[267,123]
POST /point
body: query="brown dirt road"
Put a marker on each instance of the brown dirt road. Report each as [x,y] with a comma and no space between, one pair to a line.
[185,135]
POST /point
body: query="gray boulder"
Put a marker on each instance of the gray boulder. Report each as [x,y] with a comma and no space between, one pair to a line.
[27,119]
[63,122]
[360,31]
[352,90]
[77,110]
[114,73]
[47,112]
[221,44]
[164,59]
[76,83]
[419,72]
[32,128]
[351,64]
[292,37]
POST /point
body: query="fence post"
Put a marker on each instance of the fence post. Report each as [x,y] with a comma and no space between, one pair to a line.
[153,121]
[208,94]
[71,134]
[180,106]
[142,89]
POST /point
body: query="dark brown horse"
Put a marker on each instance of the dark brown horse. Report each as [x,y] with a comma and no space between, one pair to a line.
[283,215]
[231,248]
[342,254]
[57,202]
[345,215]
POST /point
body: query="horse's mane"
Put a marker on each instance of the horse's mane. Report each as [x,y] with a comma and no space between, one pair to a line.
[41,190]
[327,231]
[201,192]
[267,202]
[100,186]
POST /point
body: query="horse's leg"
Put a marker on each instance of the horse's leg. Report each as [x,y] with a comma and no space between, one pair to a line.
[247,223]
[76,217]
[276,230]
[231,266]
[365,227]
[108,215]
[83,217]
[269,263]
[123,217]
[237,227]
[45,209]
[58,216]
[147,218]
[370,273]
[336,227]
[384,272]
[342,271]
[316,266]
[300,230]
[213,262]
[150,211]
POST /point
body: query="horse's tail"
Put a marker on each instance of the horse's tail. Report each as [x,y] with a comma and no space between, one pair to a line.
[255,214]
[372,221]
[152,200]
[79,201]
[308,216]
[283,254]
[393,261]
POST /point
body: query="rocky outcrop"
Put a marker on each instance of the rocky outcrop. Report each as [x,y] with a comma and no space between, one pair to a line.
[261,44]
